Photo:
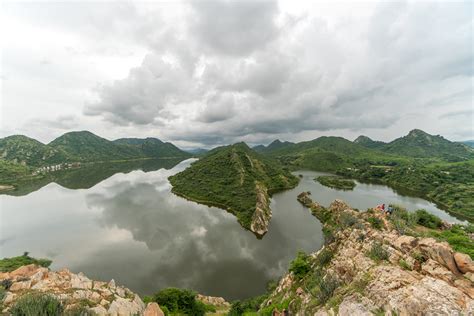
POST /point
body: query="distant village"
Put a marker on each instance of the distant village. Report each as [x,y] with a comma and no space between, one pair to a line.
[58,167]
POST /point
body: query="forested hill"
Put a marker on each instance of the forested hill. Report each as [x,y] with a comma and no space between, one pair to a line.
[420,144]
[20,155]
[419,164]
[82,146]
[237,179]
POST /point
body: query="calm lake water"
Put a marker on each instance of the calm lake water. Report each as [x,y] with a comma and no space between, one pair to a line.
[131,228]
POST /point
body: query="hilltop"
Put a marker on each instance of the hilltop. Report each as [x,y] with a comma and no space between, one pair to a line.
[273,146]
[368,142]
[419,144]
[28,151]
[153,147]
[237,179]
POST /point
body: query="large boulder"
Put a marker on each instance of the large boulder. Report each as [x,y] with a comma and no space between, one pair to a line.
[153,309]
[405,243]
[125,307]
[440,252]
[80,281]
[464,262]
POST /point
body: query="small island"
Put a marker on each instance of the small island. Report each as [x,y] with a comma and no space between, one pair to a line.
[336,182]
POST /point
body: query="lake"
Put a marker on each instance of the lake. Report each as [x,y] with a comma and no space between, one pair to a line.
[130,227]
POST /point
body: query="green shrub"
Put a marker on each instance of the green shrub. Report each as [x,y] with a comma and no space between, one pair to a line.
[418,256]
[324,257]
[400,226]
[3,293]
[347,220]
[375,222]
[179,301]
[300,266]
[378,252]
[246,306]
[11,264]
[6,283]
[426,219]
[268,310]
[328,235]
[37,304]
[326,288]
[404,264]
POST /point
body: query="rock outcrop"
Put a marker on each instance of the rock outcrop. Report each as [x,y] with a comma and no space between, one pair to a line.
[262,215]
[102,298]
[376,271]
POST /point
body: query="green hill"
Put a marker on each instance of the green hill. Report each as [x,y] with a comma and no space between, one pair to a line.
[328,154]
[86,146]
[420,144]
[237,179]
[273,146]
[368,142]
[153,147]
[27,151]
[20,155]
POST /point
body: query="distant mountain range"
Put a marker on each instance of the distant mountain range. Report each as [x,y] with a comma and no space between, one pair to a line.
[83,146]
[420,144]
[417,144]
[468,143]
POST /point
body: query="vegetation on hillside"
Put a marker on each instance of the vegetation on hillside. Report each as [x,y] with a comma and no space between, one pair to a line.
[449,185]
[21,156]
[174,301]
[30,152]
[424,224]
[336,182]
[444,174]
[368,142]
[227,177]
[13,263]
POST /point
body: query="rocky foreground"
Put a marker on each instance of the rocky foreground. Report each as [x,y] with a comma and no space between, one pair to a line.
[73,290]
[367,271]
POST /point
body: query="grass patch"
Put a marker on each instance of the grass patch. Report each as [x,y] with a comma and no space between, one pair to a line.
[326,288]
[375,222]
[180,302]
[11,264]
[426,219]
[458,238]
[378,252]
[404,265]
[37,304]
[324,257]
[300,266]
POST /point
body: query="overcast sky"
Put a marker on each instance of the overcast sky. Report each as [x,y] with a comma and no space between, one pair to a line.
[205,73]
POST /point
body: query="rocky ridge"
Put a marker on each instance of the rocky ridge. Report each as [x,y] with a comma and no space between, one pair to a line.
[364,271]
[73,290]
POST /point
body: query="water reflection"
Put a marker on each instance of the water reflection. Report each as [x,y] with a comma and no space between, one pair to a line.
[197,246]
[131,228]
[90,174]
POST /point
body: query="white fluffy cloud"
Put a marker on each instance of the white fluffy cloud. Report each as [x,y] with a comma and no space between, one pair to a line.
[217,72]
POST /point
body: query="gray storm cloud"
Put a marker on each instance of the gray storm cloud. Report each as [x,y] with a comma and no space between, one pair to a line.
[231,69]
